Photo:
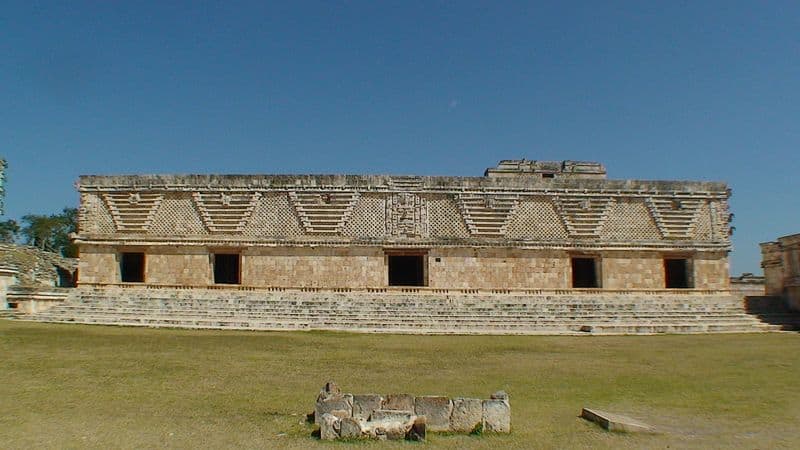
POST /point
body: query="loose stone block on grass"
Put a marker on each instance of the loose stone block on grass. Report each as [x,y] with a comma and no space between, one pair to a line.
[616,422]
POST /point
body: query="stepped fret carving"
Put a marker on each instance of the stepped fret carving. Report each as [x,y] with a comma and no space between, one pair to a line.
[132,211]
[584,217]
[407,215]
[676,217]
[488,214]
[323,212]
[224,212]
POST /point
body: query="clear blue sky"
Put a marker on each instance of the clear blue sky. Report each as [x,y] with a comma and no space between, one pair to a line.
[696,90]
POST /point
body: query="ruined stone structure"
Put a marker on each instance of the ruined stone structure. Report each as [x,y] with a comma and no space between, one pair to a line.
[781,263]
[524,225]
[405,416]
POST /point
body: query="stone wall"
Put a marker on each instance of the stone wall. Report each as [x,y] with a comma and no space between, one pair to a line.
[392,416]
[367,267]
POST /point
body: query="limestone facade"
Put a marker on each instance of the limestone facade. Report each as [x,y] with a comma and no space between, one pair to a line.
[522,226]
[781,263]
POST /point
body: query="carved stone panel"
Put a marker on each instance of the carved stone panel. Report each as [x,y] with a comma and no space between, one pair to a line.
[406,215]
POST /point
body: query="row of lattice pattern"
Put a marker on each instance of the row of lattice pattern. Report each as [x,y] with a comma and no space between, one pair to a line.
[583,216]
[369,217]
[444,217]
[273,216]
[675,216]
[178,215]
[629,219]
[94,215]
[323,212]
[487,214]
[224,212]
[132,211]
[536,218]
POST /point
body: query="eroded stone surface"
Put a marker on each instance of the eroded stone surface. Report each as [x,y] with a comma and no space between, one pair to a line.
[467,414]
[496,416]
[328,427]
[436,410]
[341,403]
[399,402]
[389,425]
[364,405]
[350,428]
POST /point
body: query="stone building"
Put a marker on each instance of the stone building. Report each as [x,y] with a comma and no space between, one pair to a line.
[523,225]
[781,263]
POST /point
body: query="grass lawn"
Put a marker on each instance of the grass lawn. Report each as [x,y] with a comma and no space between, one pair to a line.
[91,386]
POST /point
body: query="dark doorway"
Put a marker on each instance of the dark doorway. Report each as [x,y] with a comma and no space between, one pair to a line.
[226,268]
[65,278]
[584,273]
[676,273]
[406,270]
[131,267]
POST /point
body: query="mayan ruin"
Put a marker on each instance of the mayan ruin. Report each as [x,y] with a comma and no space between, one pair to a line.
[531,247]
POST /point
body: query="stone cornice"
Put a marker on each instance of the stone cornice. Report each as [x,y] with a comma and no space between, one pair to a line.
[245,242]
[385,183]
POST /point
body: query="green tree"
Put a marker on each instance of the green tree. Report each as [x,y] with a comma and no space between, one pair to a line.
[8,231]
[51,233]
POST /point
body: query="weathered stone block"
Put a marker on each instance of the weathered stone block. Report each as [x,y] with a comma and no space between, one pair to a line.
[390,414]
[350,428]
[329,427]
[399,402]
[343,403]
[496,416]
[436,410]
[616,422]
[467,414]
[364,405]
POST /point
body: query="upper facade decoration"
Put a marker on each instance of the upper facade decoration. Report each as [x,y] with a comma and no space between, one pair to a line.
[583,211]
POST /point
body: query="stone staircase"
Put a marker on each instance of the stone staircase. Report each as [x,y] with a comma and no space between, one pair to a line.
[416,313]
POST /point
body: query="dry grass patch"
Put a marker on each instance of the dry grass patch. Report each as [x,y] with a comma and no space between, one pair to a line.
[85,386]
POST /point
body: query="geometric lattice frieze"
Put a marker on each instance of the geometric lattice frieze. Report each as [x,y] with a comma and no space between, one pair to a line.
[132,211]
[583,216]
[406,215]
[487,214]
[536,218]
[273,216]
[675,216]
[225,212]
[369,217]
[630,220]
[720,221]
[94,215]
[177,215]
[444,217]
[703,229]
[323,212]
